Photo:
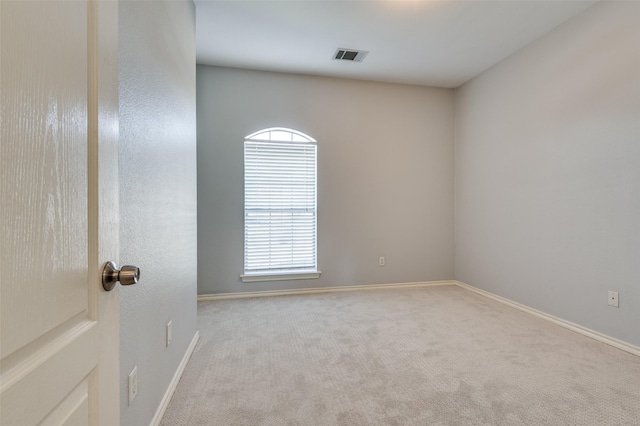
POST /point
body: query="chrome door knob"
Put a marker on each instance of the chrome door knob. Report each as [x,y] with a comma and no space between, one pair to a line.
[127,275]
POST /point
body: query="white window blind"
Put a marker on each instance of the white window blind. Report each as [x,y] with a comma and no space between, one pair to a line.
[279,202]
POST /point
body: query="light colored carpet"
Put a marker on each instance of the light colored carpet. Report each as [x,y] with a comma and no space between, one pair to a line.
[421,356]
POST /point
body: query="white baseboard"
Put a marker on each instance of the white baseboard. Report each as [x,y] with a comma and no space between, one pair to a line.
[174,382]
[627,347]
[267,293]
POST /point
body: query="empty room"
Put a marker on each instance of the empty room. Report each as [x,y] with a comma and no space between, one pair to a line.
[320,212]
[480,158]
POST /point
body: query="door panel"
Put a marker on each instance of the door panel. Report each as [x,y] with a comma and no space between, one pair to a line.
[74,410]
[45,95]
[59,212]
[35,393]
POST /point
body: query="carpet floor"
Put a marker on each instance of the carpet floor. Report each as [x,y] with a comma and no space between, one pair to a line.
[407,356]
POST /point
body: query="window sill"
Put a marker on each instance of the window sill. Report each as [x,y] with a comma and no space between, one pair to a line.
[280,276]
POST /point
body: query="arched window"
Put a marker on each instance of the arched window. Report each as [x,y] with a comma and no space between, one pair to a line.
[280,206]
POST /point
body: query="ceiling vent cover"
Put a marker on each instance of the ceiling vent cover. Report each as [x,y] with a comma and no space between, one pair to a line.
[350,55]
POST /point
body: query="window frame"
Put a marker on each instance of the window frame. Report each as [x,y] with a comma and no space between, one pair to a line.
[279,274]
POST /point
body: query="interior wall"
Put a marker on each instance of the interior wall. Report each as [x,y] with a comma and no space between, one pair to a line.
[385,175]
[548,173]
[158,228]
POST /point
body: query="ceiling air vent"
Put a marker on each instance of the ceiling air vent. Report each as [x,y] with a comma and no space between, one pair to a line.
[350,55]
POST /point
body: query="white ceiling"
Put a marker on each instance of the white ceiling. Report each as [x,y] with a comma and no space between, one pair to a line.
[434,43]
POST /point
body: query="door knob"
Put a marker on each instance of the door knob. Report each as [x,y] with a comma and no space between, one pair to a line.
[127,275]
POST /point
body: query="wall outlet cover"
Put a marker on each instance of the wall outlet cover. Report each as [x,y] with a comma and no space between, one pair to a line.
[133,384]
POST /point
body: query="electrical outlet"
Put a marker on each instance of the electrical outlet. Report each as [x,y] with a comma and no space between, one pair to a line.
[133,384]
[613,299]
[381,261]
[169,338]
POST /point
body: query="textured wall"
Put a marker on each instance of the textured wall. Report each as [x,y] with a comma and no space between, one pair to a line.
[548,173]
[157,195]
[385,175]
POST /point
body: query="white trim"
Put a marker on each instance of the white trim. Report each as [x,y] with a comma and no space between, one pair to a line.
[267,293]
[611,341]
[280,276]
[174,382]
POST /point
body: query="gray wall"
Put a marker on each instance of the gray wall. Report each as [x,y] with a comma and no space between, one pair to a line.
[548,173]
[157,195]
[385,175]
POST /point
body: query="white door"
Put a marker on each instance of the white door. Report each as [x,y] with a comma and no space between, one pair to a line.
[59,212]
